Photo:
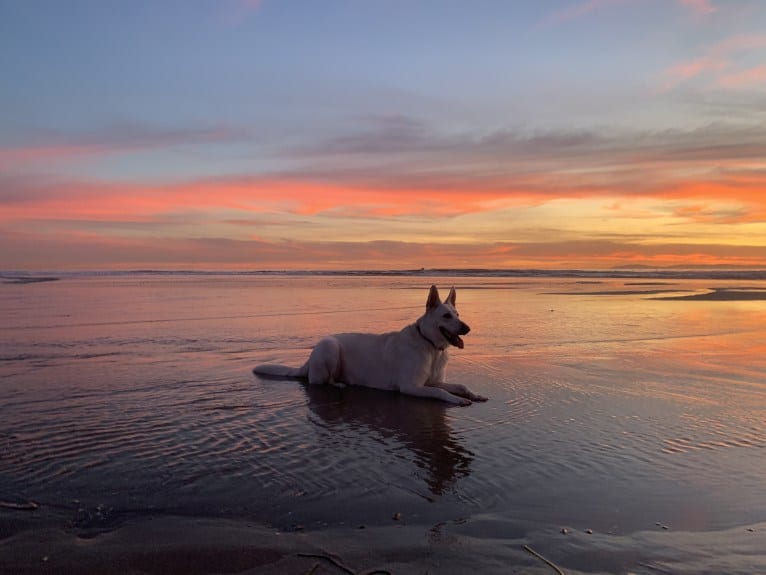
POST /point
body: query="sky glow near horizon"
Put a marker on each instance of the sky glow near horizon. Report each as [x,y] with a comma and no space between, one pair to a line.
[277,134]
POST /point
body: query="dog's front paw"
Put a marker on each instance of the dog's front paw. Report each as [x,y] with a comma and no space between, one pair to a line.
[463,402]
[477,397]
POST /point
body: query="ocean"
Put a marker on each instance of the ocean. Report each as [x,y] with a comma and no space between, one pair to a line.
[624,431]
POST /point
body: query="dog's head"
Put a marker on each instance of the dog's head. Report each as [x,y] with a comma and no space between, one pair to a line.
[443,321]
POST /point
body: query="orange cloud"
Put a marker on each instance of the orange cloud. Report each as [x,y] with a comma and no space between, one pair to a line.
[104,200]
[93,200]
[457,199]
[745,189]
[89,251]
[707,214]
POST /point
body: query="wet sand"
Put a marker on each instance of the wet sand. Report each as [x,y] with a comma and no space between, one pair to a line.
[187,545]
[131,418]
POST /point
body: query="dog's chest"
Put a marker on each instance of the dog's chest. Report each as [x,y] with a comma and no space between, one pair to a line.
[436,365]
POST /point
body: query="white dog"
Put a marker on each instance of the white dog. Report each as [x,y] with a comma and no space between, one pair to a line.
[412,360]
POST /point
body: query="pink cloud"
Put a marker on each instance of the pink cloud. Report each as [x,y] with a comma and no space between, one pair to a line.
[685,71]
[744,78]
[21,157]
[112,140]
[578,11]
[235,12]
[702,7]
[717,64]
[737,44]
[582,9]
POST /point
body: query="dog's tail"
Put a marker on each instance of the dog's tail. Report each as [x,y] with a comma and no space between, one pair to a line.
[279,371]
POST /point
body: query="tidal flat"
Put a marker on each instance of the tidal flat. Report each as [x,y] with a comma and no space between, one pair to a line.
[623,433]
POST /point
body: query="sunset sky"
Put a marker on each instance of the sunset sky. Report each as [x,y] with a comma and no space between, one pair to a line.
[381,134]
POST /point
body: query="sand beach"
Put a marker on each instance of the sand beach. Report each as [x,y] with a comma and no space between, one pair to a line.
[624,432]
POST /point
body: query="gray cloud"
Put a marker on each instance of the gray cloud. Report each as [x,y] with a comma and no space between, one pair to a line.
[405,152]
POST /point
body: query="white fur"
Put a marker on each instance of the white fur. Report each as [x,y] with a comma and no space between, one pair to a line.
[411,361]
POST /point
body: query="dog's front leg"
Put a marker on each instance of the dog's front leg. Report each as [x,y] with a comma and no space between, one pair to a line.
[435,393]
[459,389]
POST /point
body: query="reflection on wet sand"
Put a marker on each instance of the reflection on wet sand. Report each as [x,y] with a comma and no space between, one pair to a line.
[420,425]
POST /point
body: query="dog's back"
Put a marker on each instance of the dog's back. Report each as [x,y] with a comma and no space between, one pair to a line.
[382,361]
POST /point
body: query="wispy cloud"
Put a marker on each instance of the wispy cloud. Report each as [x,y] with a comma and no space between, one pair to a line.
[577,10]
[236,12]
[703,213]
[702,7]
[418,171]
[744,78]
[680,73]
[530,165]
[721,65]
[46,147]
[584,8]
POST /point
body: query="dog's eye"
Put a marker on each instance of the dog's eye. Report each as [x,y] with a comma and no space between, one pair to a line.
[447,315]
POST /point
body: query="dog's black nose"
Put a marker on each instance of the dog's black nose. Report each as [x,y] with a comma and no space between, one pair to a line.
[464,329]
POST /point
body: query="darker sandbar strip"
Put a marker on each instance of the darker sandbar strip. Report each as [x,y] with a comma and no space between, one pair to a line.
[27,280]
[615,292]
[723,294]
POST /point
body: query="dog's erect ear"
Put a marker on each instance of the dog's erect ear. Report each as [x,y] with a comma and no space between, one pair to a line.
[433,299]
[451,297]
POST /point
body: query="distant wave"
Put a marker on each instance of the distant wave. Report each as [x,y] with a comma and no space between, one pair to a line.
[627,273]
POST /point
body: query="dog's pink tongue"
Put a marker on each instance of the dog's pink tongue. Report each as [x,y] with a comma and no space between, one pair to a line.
[459,343]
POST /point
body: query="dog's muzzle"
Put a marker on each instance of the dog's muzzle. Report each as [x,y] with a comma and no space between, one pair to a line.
[454,338]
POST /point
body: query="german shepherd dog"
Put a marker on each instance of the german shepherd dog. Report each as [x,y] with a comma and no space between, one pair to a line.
[412,361]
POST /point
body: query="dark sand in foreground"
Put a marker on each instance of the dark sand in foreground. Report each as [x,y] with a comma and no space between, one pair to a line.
[182,545]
